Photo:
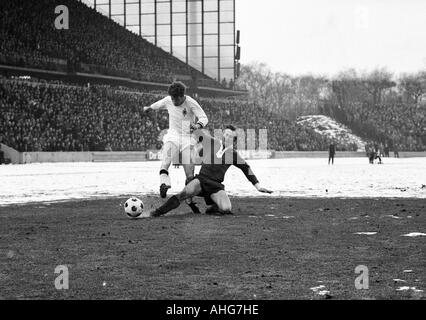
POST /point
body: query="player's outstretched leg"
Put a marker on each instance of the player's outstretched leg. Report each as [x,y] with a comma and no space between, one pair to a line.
[222,203]
[168,150]
[190,201]
[191,189]
[164,182]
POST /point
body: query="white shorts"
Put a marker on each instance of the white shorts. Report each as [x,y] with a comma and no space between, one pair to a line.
[182,151]
[181,142]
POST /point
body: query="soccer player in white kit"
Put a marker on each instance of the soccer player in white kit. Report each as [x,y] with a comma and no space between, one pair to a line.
[178,142]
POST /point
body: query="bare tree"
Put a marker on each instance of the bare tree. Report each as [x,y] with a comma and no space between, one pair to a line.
[413,86]
[376,82]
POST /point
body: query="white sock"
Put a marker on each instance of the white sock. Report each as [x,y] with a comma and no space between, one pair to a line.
[164,178]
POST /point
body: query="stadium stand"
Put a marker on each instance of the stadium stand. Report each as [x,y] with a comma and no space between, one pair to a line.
[92,44]
[398,125]
[45,116]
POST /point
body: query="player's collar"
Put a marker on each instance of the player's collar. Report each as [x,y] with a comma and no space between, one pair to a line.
[184,100]
[222,150]
[181,105]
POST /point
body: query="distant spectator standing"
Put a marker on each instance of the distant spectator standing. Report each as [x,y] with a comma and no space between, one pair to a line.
[381,152]
[331,152]
[1,156]
[367,149]
[108,147]
[395,151]
[386,150]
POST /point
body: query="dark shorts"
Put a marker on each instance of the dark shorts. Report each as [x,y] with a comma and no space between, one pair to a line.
[208,187]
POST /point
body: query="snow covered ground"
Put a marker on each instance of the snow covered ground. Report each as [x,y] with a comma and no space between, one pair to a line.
[349,177]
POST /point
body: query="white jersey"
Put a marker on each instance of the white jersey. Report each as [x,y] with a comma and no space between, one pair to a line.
[180,117]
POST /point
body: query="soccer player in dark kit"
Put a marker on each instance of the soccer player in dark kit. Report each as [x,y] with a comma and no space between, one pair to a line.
[218,156]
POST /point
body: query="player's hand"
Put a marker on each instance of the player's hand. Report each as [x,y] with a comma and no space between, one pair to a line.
[263,190]
[194,127]
[146,109]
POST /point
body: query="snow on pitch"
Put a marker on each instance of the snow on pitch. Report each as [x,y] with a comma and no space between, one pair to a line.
[349,177]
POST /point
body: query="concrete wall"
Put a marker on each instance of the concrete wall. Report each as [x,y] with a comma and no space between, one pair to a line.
[257,154]
[339,154]
[10,153]
[116,156]
[317,154]
[98,156]
[31,157]
[410,154]
[104,156]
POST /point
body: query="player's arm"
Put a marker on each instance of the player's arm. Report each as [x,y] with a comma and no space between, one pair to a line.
[261,189]
[160,104]
[206,147]
[200,114]
[245,168]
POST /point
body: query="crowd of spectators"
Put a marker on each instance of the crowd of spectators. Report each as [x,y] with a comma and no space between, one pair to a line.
[43,116]
[93,43]
[397,125]
[401,124]
[282,134]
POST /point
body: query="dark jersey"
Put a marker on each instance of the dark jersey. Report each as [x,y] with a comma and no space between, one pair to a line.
[216,160]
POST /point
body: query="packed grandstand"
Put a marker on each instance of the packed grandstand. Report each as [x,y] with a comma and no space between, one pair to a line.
[45,116]
[93,44]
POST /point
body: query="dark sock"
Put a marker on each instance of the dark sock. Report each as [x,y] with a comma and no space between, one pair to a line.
[170,204]
[194,207]
[212,209]
[164,171]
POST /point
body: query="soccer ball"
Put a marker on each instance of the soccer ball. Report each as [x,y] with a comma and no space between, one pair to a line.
[133,207]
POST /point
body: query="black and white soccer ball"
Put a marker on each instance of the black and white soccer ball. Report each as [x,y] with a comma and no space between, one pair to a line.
[133,207]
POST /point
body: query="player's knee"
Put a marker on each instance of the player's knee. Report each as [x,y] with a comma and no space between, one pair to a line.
[188,180]
[186,193]
[183,195]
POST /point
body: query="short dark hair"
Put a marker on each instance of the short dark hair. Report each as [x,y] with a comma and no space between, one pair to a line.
[231,127]
[177,89]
